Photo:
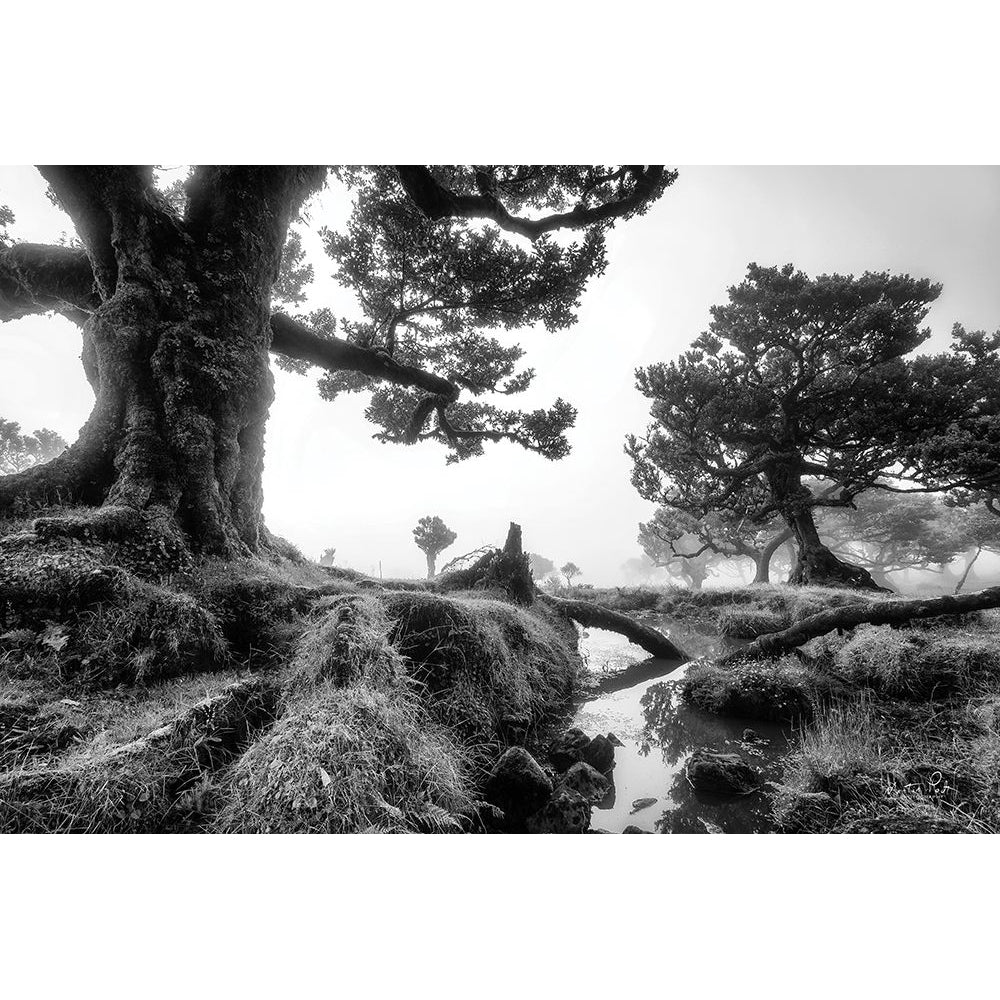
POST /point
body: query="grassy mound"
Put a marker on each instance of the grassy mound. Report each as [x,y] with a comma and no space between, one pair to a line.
[359,760]
[158,782]
[751,622]
[67,612]
[866,766]
[479,661]
[921,663]
[393,703]
[780,690]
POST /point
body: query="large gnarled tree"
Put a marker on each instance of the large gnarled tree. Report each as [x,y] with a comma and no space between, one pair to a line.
[795,377]
[173,291]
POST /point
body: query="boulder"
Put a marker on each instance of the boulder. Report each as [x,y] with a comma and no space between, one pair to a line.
[568,748]
[566,812]
[584,780]
[722,773]
[517,785]
[614,741]
[634,829]
[599,753]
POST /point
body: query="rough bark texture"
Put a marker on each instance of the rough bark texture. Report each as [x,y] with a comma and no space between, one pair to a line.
[878,612]
[176,349]
[816,565]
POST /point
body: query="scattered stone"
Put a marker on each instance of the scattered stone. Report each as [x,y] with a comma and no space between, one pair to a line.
[566,812]
[599,753]
[645,803]
[517,785]
[567,749]
[634,829]
[722,773]
[586,781]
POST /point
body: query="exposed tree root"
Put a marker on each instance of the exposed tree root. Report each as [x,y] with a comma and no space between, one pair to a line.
[878,612]
[593,616]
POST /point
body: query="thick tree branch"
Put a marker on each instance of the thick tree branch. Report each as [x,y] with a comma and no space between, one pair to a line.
[295,340]
[36,278]
[437,202]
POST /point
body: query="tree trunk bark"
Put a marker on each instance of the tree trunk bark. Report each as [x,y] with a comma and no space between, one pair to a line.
[431,564]
[816,564]
[967,570]
[871,612]
[762,563]
[177,353]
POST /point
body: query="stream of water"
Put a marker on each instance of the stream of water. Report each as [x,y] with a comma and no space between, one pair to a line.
[659,733]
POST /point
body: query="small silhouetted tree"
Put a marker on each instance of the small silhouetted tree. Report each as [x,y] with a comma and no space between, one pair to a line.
[22,451]
[432,536]
[569,570]
[795,377]
[326,559]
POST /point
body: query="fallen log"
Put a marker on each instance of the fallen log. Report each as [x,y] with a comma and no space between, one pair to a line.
[593,616]
[877,612]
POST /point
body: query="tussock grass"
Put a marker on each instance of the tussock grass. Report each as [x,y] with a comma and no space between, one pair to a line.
[478,660]
[918,663]
[772,690]
[750,622]
[355,760]
[162,781]
[895,769]
[394,701]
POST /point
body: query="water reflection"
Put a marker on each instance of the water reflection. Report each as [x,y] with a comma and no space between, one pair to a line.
[659,733]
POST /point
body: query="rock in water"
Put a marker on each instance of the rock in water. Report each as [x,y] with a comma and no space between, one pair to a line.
[599,753]
[722,773]
[567,749]
[643,804]
[517,785]
[584,780]
[566,812]
[614,741]
[634,829]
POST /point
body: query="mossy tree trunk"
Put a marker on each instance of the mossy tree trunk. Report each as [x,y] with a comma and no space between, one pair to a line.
[176,350]
[816,565]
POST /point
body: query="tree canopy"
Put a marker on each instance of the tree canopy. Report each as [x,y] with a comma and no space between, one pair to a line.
[182,288]
[795,377]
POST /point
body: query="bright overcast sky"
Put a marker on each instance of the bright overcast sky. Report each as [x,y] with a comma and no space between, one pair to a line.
[327,483]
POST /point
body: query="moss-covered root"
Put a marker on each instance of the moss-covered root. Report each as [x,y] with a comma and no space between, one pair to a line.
[159,783]
[354,760]
[99,622]
[392,705]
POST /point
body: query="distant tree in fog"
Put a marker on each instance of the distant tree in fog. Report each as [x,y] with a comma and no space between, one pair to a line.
[962,452]
[326,559]
[687,546]
[432,536]
[540,566]
[22,451]
[569,570]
